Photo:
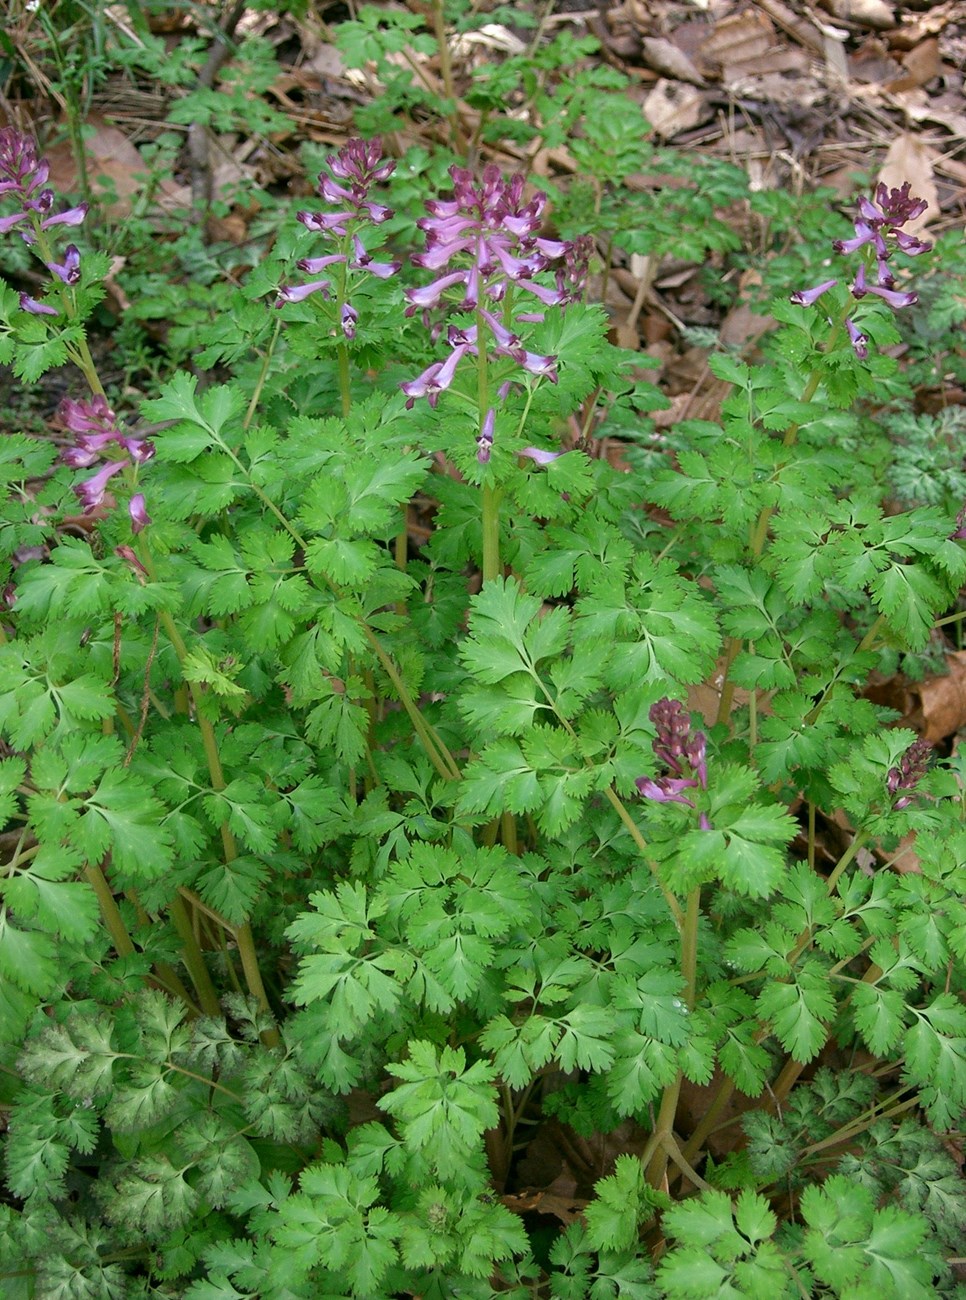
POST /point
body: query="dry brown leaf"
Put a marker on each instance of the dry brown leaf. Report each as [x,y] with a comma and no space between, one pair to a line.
[910,159]
[738,41]
[944,699]
[867,13]
[917,26]
[920,66]
[664,57]
[671,108]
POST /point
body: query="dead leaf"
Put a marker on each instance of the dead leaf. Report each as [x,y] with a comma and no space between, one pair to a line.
[911,159]
[671,108]
[867,13]
[944,699]
[664,57]
[920,66]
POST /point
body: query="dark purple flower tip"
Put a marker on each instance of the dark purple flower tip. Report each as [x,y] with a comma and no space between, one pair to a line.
[72,217]
[36,308]
[960,534]
[90,493]
[69,269]
[299,292]
[360,162]
[860,342]
[539,456]
[349,318]
[899,206]
[806,297]
[139,515]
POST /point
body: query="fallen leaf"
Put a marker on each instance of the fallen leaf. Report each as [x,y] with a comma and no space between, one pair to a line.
[671,108]
[867,13]
[944,699]
[664,57]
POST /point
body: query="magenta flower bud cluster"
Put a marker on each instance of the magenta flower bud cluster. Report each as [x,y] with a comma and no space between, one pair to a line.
[23,176]
[355,169]
[679,750]
[912,768]
[482,243]
[879,232]
[96,431]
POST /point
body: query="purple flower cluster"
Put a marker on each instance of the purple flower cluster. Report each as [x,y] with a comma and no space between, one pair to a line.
[23,175]
[355,169]
[95,430]
[674,747]
[912,768]
[481,242]
[878,223]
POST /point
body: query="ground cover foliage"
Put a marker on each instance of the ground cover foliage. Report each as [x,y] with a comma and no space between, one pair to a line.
[456,838]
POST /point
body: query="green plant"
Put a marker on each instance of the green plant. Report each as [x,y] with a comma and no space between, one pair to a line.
[335,853]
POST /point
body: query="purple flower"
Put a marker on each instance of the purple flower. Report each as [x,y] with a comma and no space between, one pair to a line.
[486,242]
[349,318]
[878,233]
[960,533]
[667,790]
[911,770]
[8,223]
[69,270]
[676,748]
[313,265]
[139,449]
[806,297]
[139,515]
[359,164]
[539,456]
[860,342]
[36,308]
[91,492]
[299,292]
[94,416]
[484,443]
[435,378]
[893,297]
[72,217]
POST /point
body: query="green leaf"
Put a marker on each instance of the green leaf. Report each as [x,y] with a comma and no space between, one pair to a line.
[619,1204]
[799,1012]
[122,819]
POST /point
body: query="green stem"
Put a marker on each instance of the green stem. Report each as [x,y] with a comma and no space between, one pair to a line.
[663,1140]
[193,958]
[491,532]
[123,943]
